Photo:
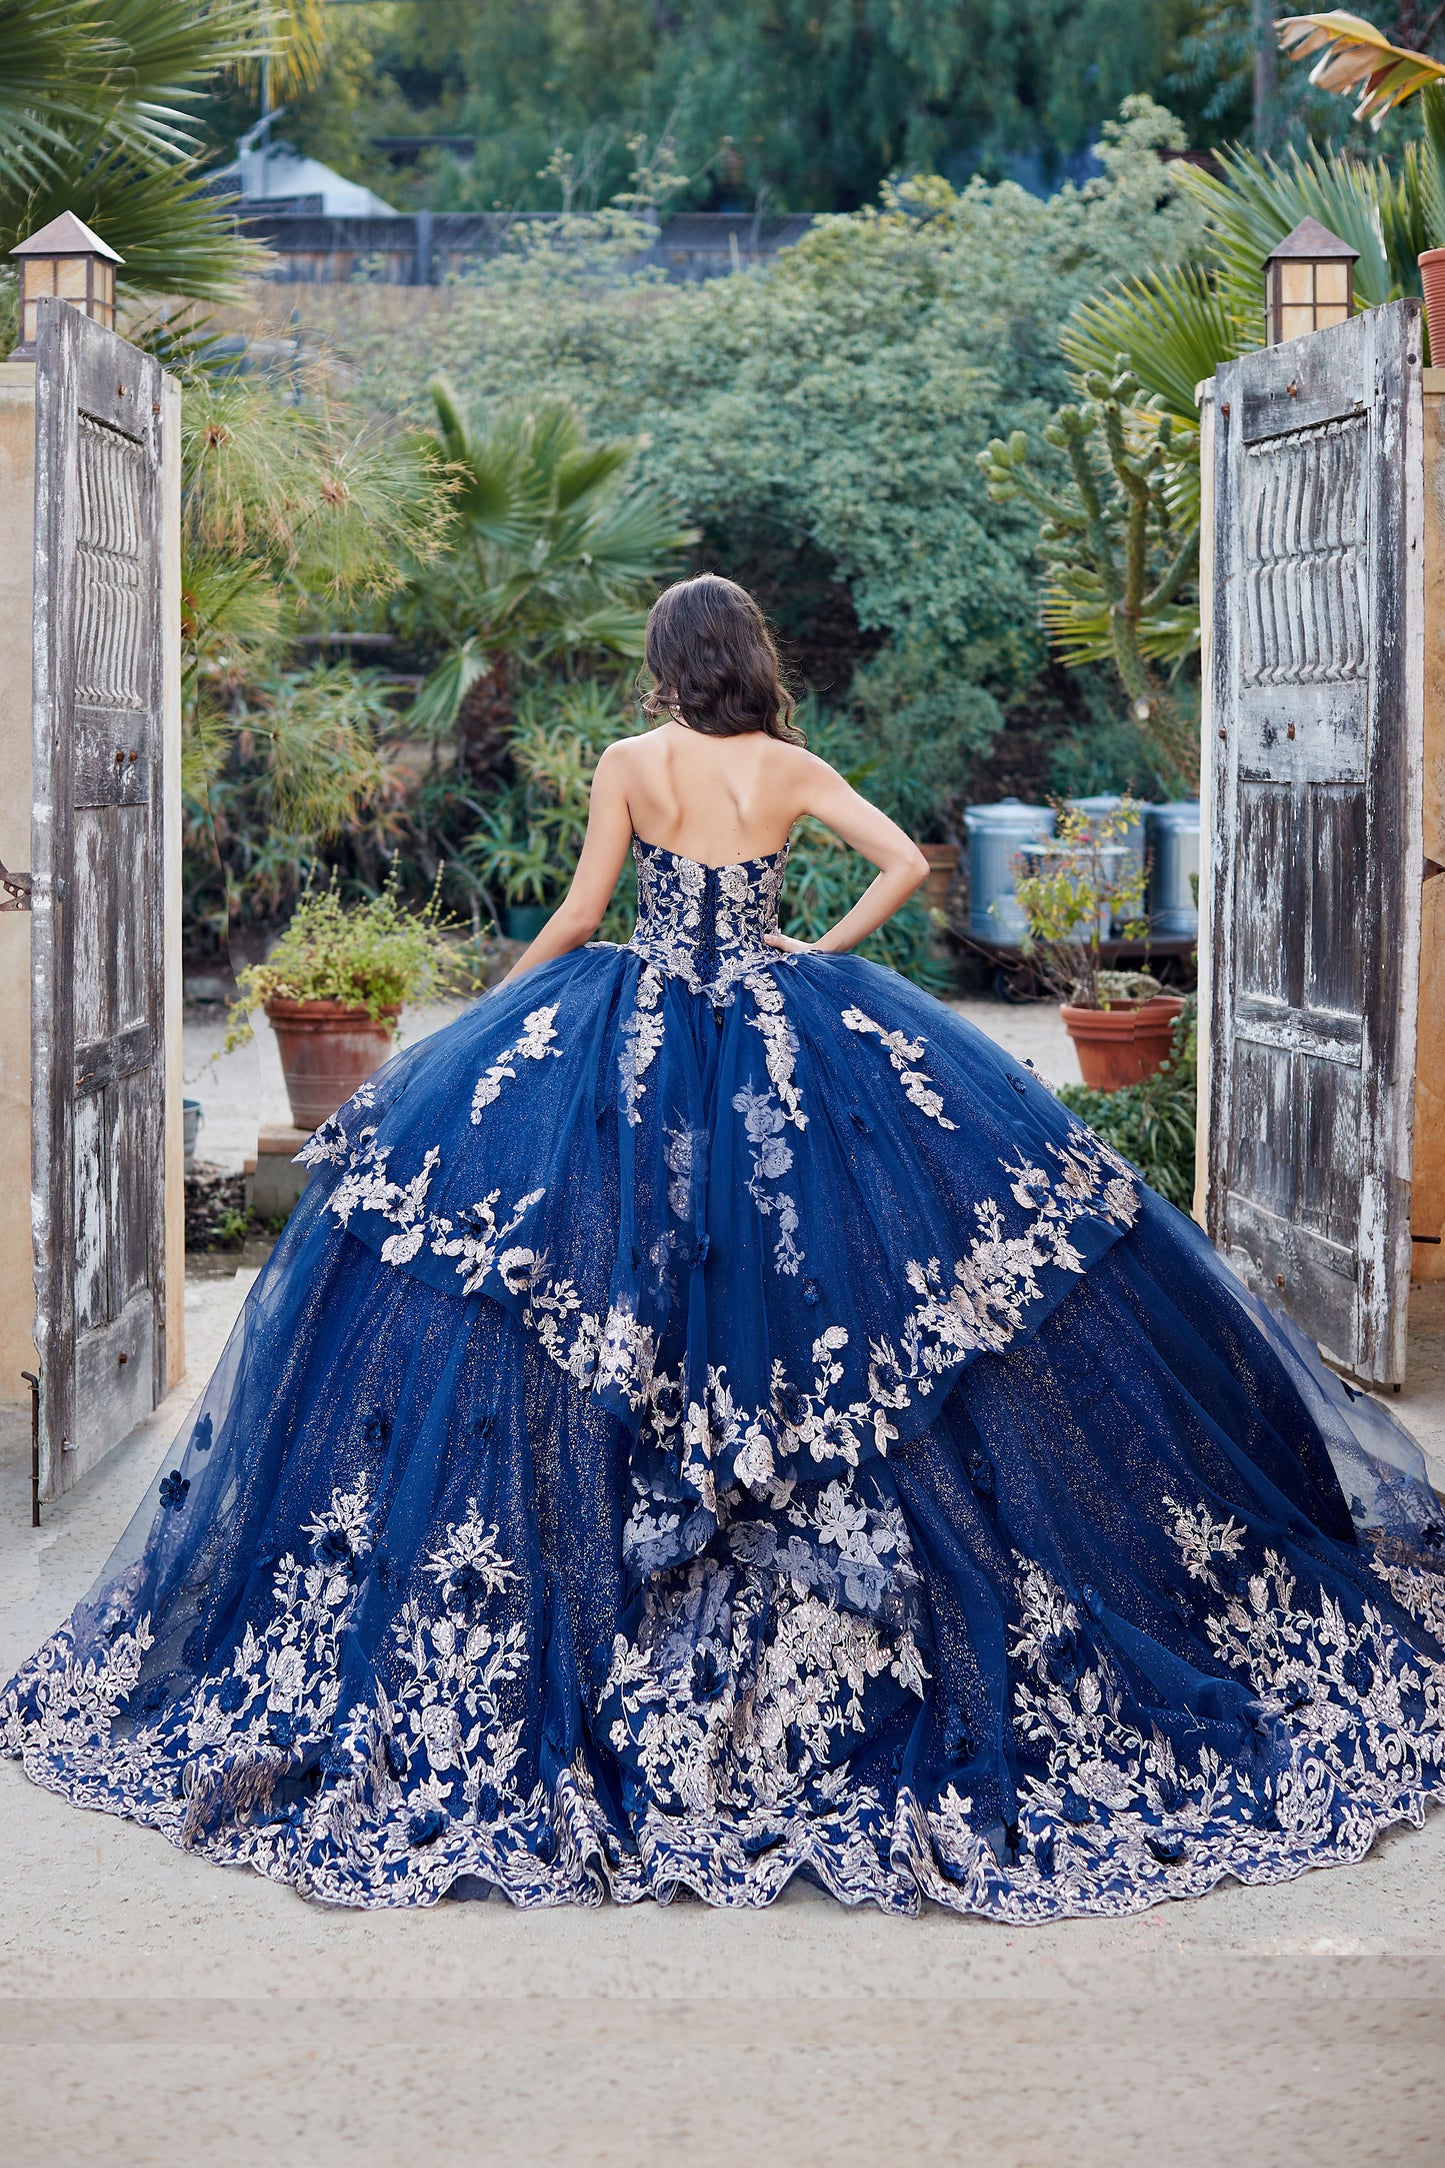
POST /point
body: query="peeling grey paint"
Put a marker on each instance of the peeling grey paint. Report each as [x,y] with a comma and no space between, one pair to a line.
[98,1070]
[1316,715]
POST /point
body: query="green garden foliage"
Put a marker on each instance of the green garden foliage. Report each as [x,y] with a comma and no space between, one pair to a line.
[1153,1123]
[296,505]
[98,115]
[826,411]
[375,955]
[799,104]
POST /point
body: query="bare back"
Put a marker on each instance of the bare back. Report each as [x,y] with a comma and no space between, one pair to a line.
[719,801]
[715,800]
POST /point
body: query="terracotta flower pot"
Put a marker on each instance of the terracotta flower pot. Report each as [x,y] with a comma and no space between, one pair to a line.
[327,1050]
[942,865]
[1122,1046]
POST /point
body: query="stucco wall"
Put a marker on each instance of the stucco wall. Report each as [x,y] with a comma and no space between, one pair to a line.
[17,519]
[1427,1196]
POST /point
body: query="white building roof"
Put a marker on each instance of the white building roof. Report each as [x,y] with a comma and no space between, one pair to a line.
[279,174]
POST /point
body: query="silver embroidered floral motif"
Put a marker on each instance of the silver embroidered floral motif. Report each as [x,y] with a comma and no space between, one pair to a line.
[534,1043]
[642,1035]
[705,924]
[901,1050]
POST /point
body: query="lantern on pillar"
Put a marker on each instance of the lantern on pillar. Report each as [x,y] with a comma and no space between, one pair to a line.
[69,261]
[1309,282]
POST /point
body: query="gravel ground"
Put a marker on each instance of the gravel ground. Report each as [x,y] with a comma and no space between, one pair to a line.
[156,2008]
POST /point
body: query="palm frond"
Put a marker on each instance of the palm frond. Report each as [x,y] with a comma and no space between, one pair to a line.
[584,471]
[173,236]
[1175,325]
[1354,55]
[439,702]
[55,62]
[1254,201]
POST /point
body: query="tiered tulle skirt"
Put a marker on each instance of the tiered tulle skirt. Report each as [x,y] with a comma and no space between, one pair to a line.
[679,1445]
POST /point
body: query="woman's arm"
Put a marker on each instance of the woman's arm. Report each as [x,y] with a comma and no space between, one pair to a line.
[579,914]
[901,865]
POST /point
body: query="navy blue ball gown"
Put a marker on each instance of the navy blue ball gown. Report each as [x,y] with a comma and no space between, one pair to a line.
[713,1417]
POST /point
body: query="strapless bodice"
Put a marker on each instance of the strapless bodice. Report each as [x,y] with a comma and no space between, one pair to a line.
[705,924]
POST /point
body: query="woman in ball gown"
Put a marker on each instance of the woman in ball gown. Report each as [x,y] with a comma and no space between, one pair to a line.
[714,1417]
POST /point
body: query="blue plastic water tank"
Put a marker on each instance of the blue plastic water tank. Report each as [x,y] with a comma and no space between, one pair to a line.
[995,833]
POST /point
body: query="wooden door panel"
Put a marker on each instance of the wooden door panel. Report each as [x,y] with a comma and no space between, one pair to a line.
[111,758]
[98,1078]
[1332,958]
[111,1395]
[128,829]
[1328,1115]
[1266,820]
[89,892]
[1316,689]
[1305,593]
[92,1220]
[1263,1106]
[112,548]
[128,1112]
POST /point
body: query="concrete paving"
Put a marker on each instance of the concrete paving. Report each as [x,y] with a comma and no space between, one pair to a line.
[156,2008]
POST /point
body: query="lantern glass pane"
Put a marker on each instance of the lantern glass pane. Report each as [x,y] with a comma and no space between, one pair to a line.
[1296,323]
[70,281]
[1332,284]
[1296,282]
[28,325]
[1331,315]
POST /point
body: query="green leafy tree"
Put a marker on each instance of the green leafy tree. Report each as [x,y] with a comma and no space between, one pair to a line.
[821,417]
[804,104]
[1119,527]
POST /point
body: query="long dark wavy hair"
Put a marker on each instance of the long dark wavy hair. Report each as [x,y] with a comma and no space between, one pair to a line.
[714,664]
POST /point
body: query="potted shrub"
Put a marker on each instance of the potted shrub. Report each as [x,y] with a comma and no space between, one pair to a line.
[333,987]
[1074,891]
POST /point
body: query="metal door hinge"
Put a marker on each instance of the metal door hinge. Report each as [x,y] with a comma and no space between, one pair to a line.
[19,888]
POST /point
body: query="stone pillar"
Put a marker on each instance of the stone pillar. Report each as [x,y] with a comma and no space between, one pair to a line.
[1427,1188]
[17,545]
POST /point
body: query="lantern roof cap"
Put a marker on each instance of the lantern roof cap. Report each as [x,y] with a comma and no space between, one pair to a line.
[66,236]
[1311,239]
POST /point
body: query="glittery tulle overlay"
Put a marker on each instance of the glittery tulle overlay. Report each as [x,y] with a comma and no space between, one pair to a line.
[713,1417]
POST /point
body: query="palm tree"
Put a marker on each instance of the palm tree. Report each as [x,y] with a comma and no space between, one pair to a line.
[557,551]
[95,99]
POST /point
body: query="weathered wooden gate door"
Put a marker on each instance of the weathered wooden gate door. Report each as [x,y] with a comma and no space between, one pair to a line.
[98,1089]
[1315,880]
